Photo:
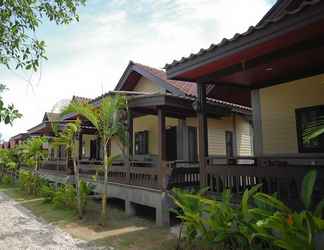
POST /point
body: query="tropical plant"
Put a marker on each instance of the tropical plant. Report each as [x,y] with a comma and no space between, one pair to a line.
[289,229]
[218,224]
[108,120]
[68,139]
[7,161]
[29,183]
[33,152]
[314,130]
[65,197]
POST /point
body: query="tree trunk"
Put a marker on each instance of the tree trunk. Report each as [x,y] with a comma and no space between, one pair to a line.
[104,212]
[77,180]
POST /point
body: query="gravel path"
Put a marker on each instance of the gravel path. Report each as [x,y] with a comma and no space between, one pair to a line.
[20,229]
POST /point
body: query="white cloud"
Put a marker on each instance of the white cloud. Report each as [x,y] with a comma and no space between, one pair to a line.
[88,58]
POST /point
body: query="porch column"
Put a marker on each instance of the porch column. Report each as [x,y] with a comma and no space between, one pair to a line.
[257,123]
[130,134]
[130,144]
[162,149]
[202,132]
[80,139]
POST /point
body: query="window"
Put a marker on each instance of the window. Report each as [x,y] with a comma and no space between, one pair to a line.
[304,117]
[141,142]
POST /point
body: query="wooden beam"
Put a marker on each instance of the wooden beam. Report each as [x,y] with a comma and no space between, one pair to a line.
[80,145]
[130,124]
[257,123]
[202,132]
[162,149]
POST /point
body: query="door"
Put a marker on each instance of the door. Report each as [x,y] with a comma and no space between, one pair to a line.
[229,144]
[192,144]
[93,149]
[171,144]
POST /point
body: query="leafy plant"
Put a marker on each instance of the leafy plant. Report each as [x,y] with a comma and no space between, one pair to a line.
[68,139]
[30,183]
[48,193]
[65,197]
[33,151]
[7,180]
[289,229]
[108,120]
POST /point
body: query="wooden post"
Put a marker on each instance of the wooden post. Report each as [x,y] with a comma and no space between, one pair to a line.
[202,133]
[130,134]
[162,149]
[80,145]
[130,144]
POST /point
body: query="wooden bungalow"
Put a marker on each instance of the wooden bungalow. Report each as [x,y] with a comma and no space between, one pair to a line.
[278,66]
[163,151]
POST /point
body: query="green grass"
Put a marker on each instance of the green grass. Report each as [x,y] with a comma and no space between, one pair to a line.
[122,232]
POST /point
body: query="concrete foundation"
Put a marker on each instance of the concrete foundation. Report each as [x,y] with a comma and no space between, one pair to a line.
[156,199]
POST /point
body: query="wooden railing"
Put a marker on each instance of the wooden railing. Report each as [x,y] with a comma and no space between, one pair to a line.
[277,176]
[183,174]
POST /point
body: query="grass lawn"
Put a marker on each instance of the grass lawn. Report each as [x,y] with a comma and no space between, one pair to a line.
[122,232]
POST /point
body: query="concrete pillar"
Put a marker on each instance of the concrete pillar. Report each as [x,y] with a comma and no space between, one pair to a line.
[162,213]
[129,208]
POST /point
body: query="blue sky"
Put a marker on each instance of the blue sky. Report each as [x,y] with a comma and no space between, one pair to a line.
[87,58]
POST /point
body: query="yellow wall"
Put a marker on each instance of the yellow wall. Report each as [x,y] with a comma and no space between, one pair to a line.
[145,85]
[150,123]
[216,135]
[278,104]
[115,147]
[86,145]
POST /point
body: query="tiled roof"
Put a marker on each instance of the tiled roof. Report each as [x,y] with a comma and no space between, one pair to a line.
[81,99]
[252,29]
[189,88]
[53,116]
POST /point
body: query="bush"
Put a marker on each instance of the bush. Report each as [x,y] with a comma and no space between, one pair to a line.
[30,183]
[260,222]
[65,197]
[7,180]
[47,192]
[84,192]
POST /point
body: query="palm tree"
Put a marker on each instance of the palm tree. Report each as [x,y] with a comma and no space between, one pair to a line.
[33,151]
[108,120]
[67,138]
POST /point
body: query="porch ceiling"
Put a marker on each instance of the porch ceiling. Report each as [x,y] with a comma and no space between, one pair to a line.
[174,106]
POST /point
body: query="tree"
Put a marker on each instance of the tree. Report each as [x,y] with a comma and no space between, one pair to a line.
[19,47]
[7,113]
[108,120]
[68,139]
[33,151]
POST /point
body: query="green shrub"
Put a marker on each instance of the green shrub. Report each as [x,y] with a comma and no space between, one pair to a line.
[84,193]
[7,180]
[260,222]
[48,192]
[65,197]
[30,183]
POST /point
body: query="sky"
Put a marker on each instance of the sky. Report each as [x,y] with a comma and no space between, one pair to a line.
[87,58]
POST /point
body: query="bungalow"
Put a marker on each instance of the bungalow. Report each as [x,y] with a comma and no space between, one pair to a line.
[280,64]
[163,150]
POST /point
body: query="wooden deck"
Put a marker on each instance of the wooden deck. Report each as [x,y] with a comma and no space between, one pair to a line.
[281,175]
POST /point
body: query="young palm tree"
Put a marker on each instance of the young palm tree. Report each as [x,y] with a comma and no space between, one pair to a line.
[67,138]
[33,151]
[107,119]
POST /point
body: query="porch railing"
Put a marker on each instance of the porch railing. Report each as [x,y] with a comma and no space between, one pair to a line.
[275,174]
[184,174]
